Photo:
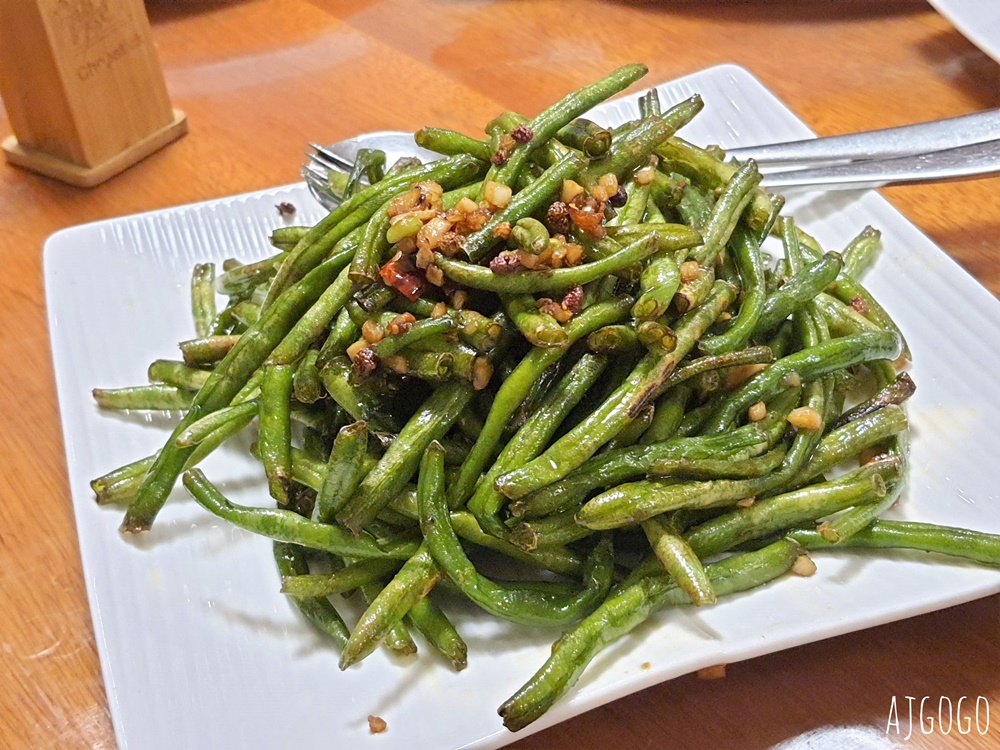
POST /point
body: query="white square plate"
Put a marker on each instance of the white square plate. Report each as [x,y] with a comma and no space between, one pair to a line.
[200,650]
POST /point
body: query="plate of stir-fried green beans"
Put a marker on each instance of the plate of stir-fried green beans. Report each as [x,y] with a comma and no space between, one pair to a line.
[578,381]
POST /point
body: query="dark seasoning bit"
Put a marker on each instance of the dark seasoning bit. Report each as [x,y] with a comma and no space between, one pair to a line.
[506,262]
[618,199]
[285,209]
[522,134]
[365,362]
[573,301]
[558,218]
[503,152]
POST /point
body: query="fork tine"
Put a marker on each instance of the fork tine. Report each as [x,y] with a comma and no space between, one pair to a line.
[313,177]
[338,158]
[329,159]
[311,170]
[316,173]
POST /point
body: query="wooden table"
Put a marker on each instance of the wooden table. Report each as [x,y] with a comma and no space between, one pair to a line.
[259,78]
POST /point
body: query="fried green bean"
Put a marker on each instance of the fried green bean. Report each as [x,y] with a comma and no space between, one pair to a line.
[450,143]
[526,282]
[413,582]
[530,235]
[518,604]
[358,400]
[171,372]
[847,441]
[120,485]
[895,393]
[203,298]
[798,290]
[344,471]
[658,284]
[547,123]
[398,640]
[539,328]
[154,397]
[630,433]
[637,206]
[718,468]
[515,389]
[668,413]
[275,440]
[430,423]
[288,526]
[866,484]
[966,544]
[241,281]
[861,251]
[751,355]
[312,322]
[557,528]
[750,265]
[621,613]
[631,149]
[369,163]
[435,626]
[679,560]
[694,291]
[649,104]
[207,350]
[307,386]
[808,364]
[614,339]
[342,581]
[364,269]
[204,436]
[531,438]
[317,609]
[554,557]
[586,136]
[640,389]
[852,293]
[735,196]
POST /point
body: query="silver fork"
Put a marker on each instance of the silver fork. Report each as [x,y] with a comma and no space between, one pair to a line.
[340,157]
[956,148]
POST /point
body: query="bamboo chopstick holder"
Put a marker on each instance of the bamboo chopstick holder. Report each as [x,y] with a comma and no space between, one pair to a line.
[83,88]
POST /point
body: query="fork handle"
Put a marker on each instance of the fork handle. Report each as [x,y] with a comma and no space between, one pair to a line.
[924,137]
[964,162]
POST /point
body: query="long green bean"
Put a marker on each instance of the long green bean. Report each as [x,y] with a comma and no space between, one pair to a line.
[516,387]
[434,418]
[519,604]
[287,526]
[528,282]
[622,407]
[623,612]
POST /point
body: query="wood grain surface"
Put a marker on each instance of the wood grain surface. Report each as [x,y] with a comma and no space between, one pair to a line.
[260,78]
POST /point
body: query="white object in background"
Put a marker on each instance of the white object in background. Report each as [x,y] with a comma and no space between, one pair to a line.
[978,20]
